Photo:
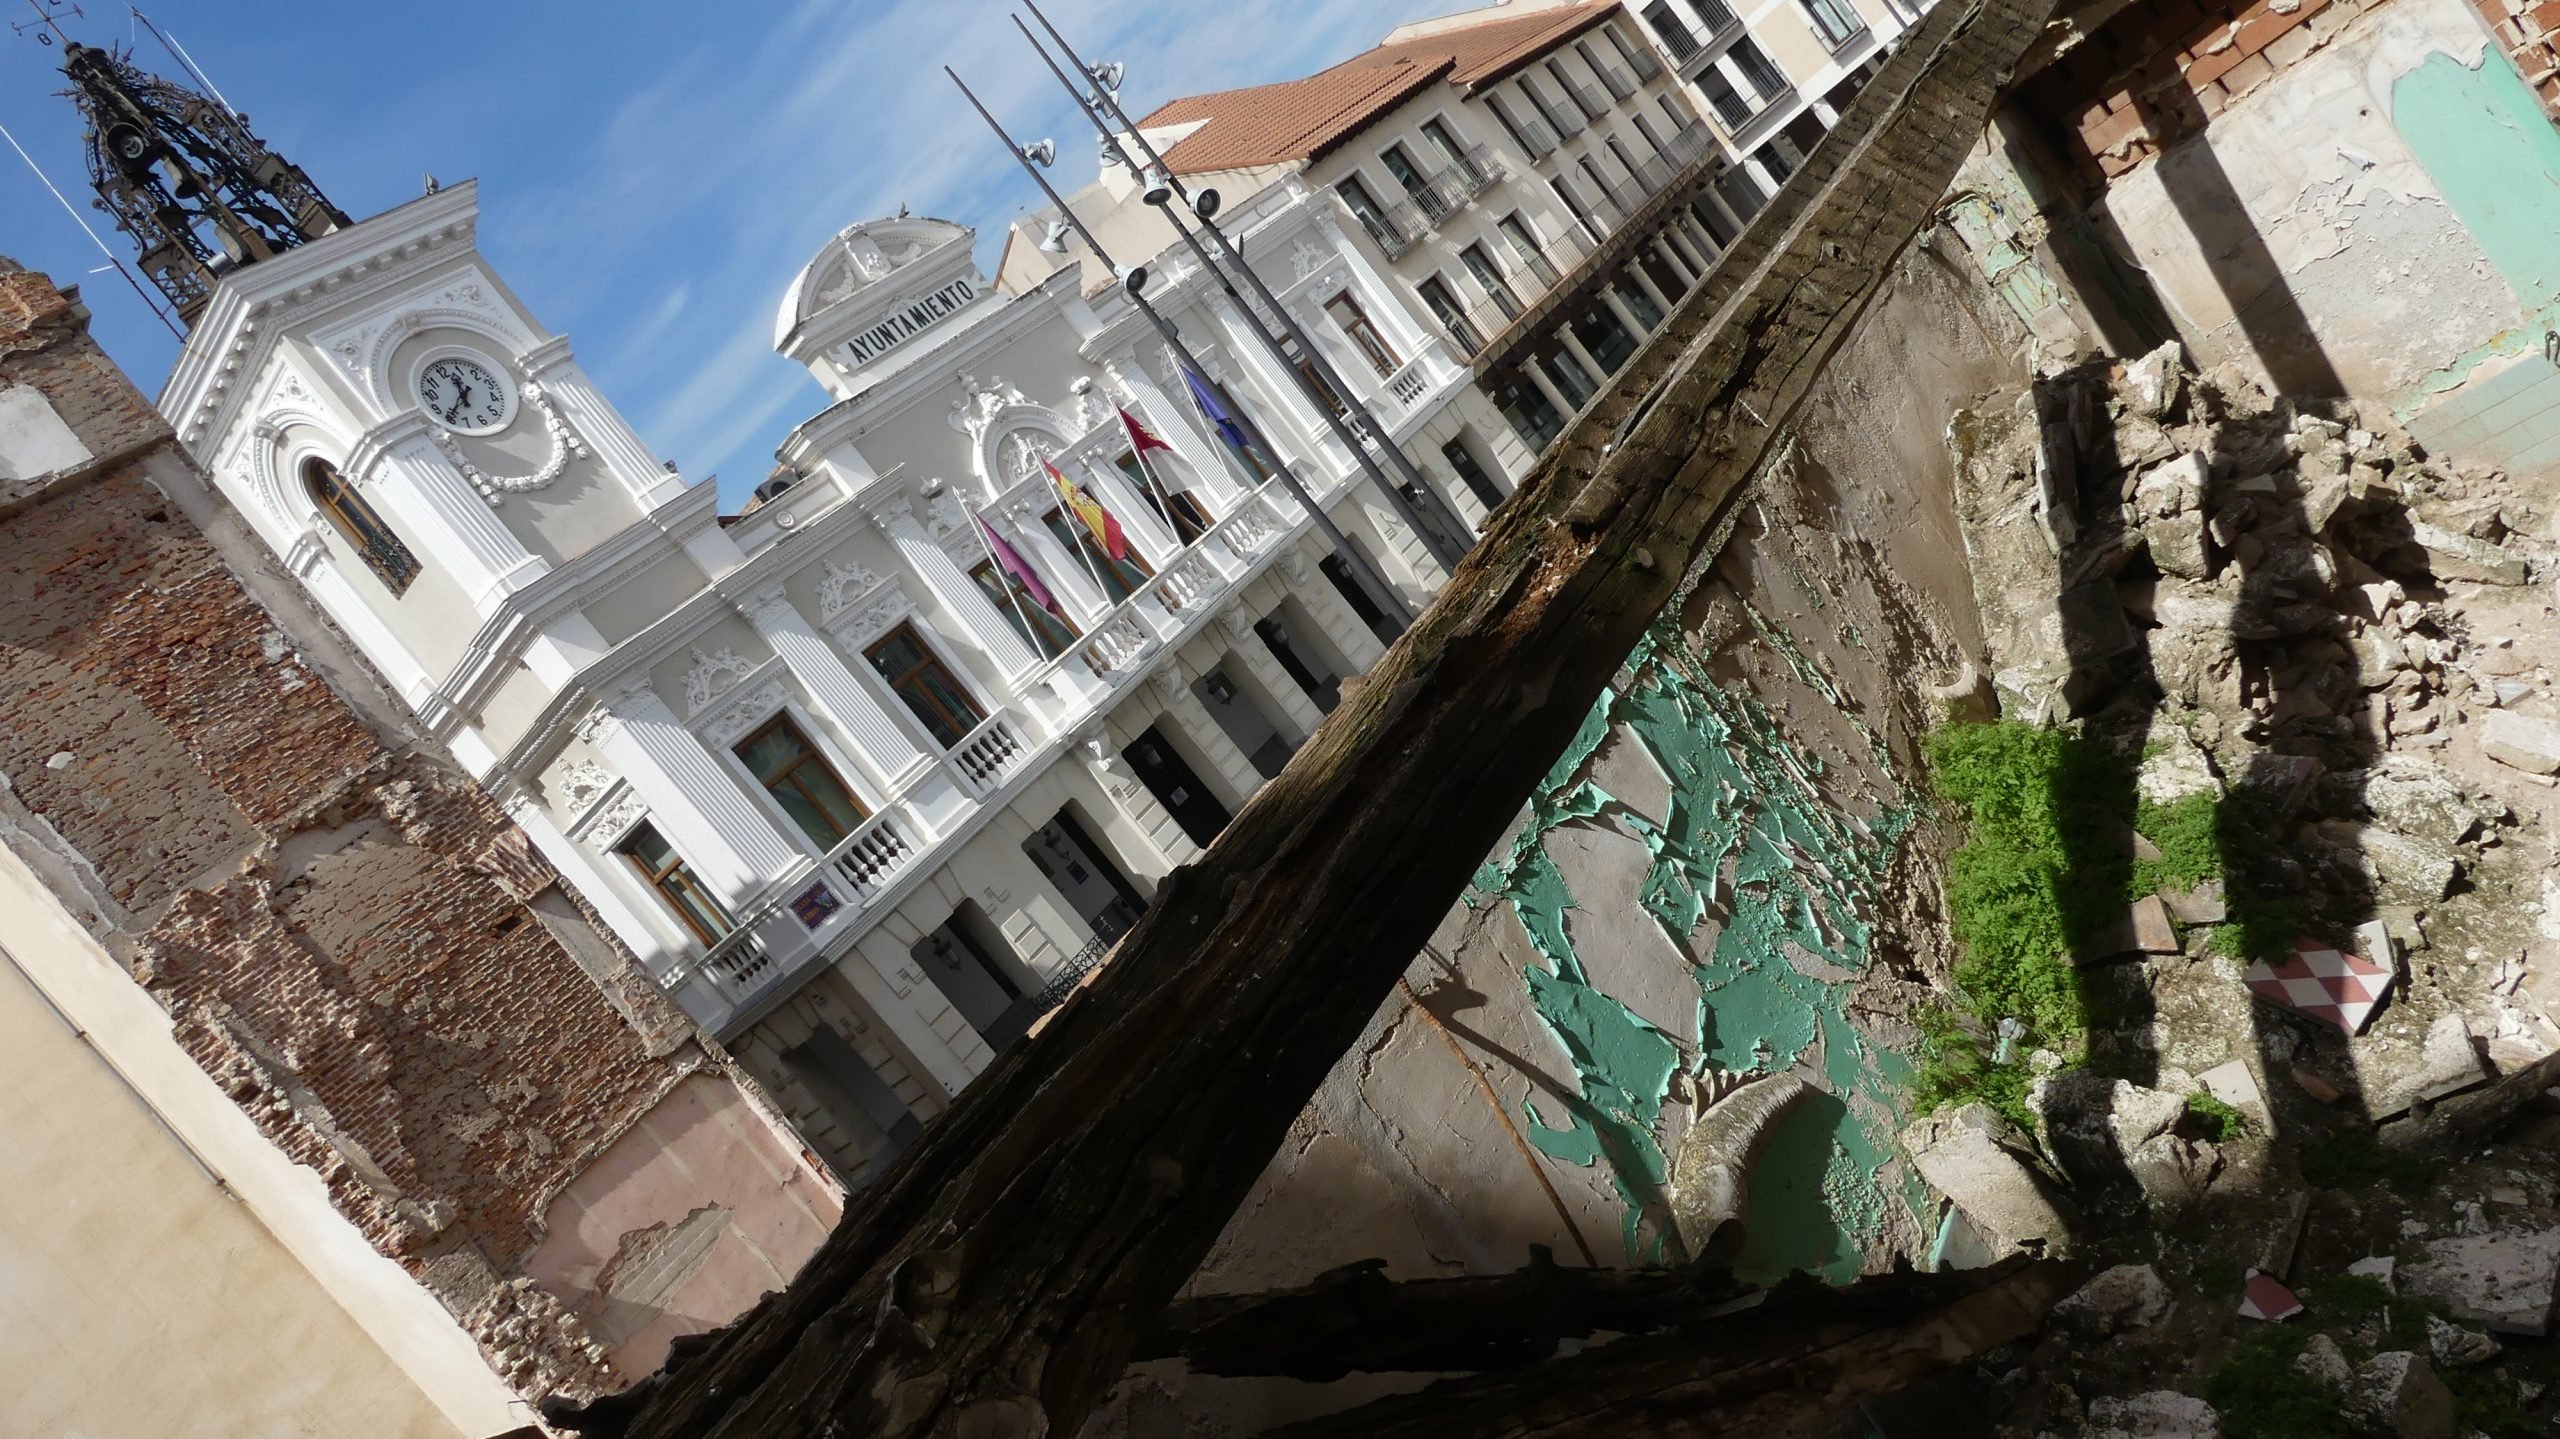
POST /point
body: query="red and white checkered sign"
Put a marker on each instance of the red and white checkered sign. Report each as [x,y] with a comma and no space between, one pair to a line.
[2325,983]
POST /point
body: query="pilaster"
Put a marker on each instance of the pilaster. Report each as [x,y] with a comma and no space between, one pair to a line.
[695,800]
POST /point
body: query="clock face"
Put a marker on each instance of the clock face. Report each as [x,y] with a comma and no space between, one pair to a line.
[463,395]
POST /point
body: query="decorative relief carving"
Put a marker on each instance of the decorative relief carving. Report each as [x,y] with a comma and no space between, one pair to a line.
[1305,258]
[1167,683]
[616,819]
[1023,452]
[980,400]
[1099,753]
[712,676]
[1294,565]
[1091,408]
[874,619]
[733,723]
[579,785]
[942,515]
[565,446]
[843,585]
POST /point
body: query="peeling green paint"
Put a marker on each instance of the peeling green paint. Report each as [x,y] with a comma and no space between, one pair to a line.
[2482,137]
[1752,839]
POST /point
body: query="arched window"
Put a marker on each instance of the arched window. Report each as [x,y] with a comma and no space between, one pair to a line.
[355,520]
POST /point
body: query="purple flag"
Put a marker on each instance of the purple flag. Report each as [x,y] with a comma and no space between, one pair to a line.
[1012,563]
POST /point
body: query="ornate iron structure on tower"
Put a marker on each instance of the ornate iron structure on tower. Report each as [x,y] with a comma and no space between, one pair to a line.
[183,176]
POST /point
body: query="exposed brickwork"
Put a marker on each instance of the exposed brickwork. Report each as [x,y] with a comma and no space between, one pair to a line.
[2162,69]
[338,920]
[2529,32]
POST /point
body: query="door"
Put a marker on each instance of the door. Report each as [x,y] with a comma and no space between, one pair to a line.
[1084,876]
[1176,786]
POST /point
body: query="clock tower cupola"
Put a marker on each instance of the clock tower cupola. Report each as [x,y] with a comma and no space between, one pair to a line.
[199,195]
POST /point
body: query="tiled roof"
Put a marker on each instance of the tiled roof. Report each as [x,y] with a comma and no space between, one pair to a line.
[1305,119]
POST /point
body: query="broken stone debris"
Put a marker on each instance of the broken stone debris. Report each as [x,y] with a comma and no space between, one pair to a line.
[1978,1161]
[2454,1346]
[2162,1414]
[2399,1391]
[2107,1130]
[2521,742]
[2504,1280]
[2129,1296]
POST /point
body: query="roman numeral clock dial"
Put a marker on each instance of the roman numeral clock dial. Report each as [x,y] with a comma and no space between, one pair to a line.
[465,396]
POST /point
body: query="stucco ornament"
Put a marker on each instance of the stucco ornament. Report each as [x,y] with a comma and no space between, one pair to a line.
[712,676]
[941,514]
[1305,258]
[1091,408]
[979,401]
[1099,753]
[843,585]
[617,819]
[580,784]
[1024,450]
[565,446]
[733,723]
[1167,683]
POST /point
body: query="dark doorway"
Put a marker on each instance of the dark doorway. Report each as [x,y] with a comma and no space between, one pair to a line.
[1082,873]
[1176,786]
[983,990]
[1305,667]
[1355,594]
[1243,718]
[875,1121]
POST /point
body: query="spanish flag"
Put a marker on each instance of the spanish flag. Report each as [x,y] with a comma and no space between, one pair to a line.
[1097,521]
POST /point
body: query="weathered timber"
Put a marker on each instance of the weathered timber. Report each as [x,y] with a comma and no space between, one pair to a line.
[1778,1369]
[1356,1320]
[997,1279]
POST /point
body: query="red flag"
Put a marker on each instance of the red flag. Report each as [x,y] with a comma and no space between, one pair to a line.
[1173,475]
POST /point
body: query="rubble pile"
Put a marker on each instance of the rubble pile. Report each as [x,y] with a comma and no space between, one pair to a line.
[2340,1048]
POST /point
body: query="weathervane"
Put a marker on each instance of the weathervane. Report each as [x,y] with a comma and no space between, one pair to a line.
[48,21]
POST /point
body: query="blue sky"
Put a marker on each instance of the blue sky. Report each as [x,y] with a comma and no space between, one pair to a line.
[651,173]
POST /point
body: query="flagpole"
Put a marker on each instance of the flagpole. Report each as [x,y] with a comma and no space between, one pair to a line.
[1432,537]
[1342,548]
[1076,534]
[1004,578]
[1156,491]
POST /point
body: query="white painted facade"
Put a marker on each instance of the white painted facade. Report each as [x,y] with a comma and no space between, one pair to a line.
[584,632]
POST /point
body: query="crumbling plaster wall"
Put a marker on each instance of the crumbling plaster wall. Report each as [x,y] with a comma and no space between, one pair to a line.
[2343,198]
[1732,873]
[349,936]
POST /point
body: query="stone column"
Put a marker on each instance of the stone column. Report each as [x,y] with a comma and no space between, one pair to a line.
[1246,645]
[696,801]
[440,515]
[958,593]
[1537,377]
[879,743]
[594,419]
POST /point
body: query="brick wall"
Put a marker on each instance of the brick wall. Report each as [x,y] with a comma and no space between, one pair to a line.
[2529,31]
[341,924]
[2162,69]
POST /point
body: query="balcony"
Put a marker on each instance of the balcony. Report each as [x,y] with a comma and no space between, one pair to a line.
[1589,103]
[988,755]
[1619,85]
[1397,230]
[1442,195]
[781,919]
[1647,68]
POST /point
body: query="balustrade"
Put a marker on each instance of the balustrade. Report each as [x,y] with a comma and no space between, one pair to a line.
[987,754]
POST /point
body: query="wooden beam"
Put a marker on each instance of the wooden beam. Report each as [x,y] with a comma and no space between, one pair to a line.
[1356,1320]
[999,1277]
[1808,1354]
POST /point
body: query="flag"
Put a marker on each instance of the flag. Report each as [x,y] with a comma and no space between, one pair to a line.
[1097,521]
[1173,476]
[1215,413]
[1010,560]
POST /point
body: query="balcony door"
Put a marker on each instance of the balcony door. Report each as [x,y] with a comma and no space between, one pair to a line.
[798,777]
[933,693]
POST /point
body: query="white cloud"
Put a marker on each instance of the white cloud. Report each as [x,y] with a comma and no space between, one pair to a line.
[706,190]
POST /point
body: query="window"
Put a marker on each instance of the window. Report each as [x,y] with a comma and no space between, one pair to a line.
[1515,228]
[1766,80]
[931,690]
[1489,275]
[1372,215]
[1718,16]
[801,781]
[1526,406]
[666,872]
[1463,332]
[357,524]
[1041,626]
[1774,160]
[1554,117]
[1676,37]
[1634,59]
[1619,153]
[1652,141]
[1184,514]
[1471,474]
[1511,127]
[1834,21]
[1354,321]
[1400,165]
[1599,182]
[1119,578]
[1581,96]
[1729,105]
[1573,206]
[1444,142]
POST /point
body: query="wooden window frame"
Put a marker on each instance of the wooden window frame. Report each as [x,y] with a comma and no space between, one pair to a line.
[919,701]
[811,754]
[1364,334]
[673,879]
[374,541]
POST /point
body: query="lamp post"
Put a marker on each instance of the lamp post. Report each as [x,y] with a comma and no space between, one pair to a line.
[1160,187]
[1133,283]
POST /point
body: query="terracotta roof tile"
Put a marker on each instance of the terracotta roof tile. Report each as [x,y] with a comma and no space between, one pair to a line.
[1305,119]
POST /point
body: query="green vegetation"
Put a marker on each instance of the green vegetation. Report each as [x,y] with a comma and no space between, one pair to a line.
[2347,1298]
[2260,1396]
[2356,1159]
[2215,1120]
[1956,1069]
[2187,835]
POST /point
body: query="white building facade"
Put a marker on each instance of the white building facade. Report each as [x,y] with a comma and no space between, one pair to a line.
[860,802]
